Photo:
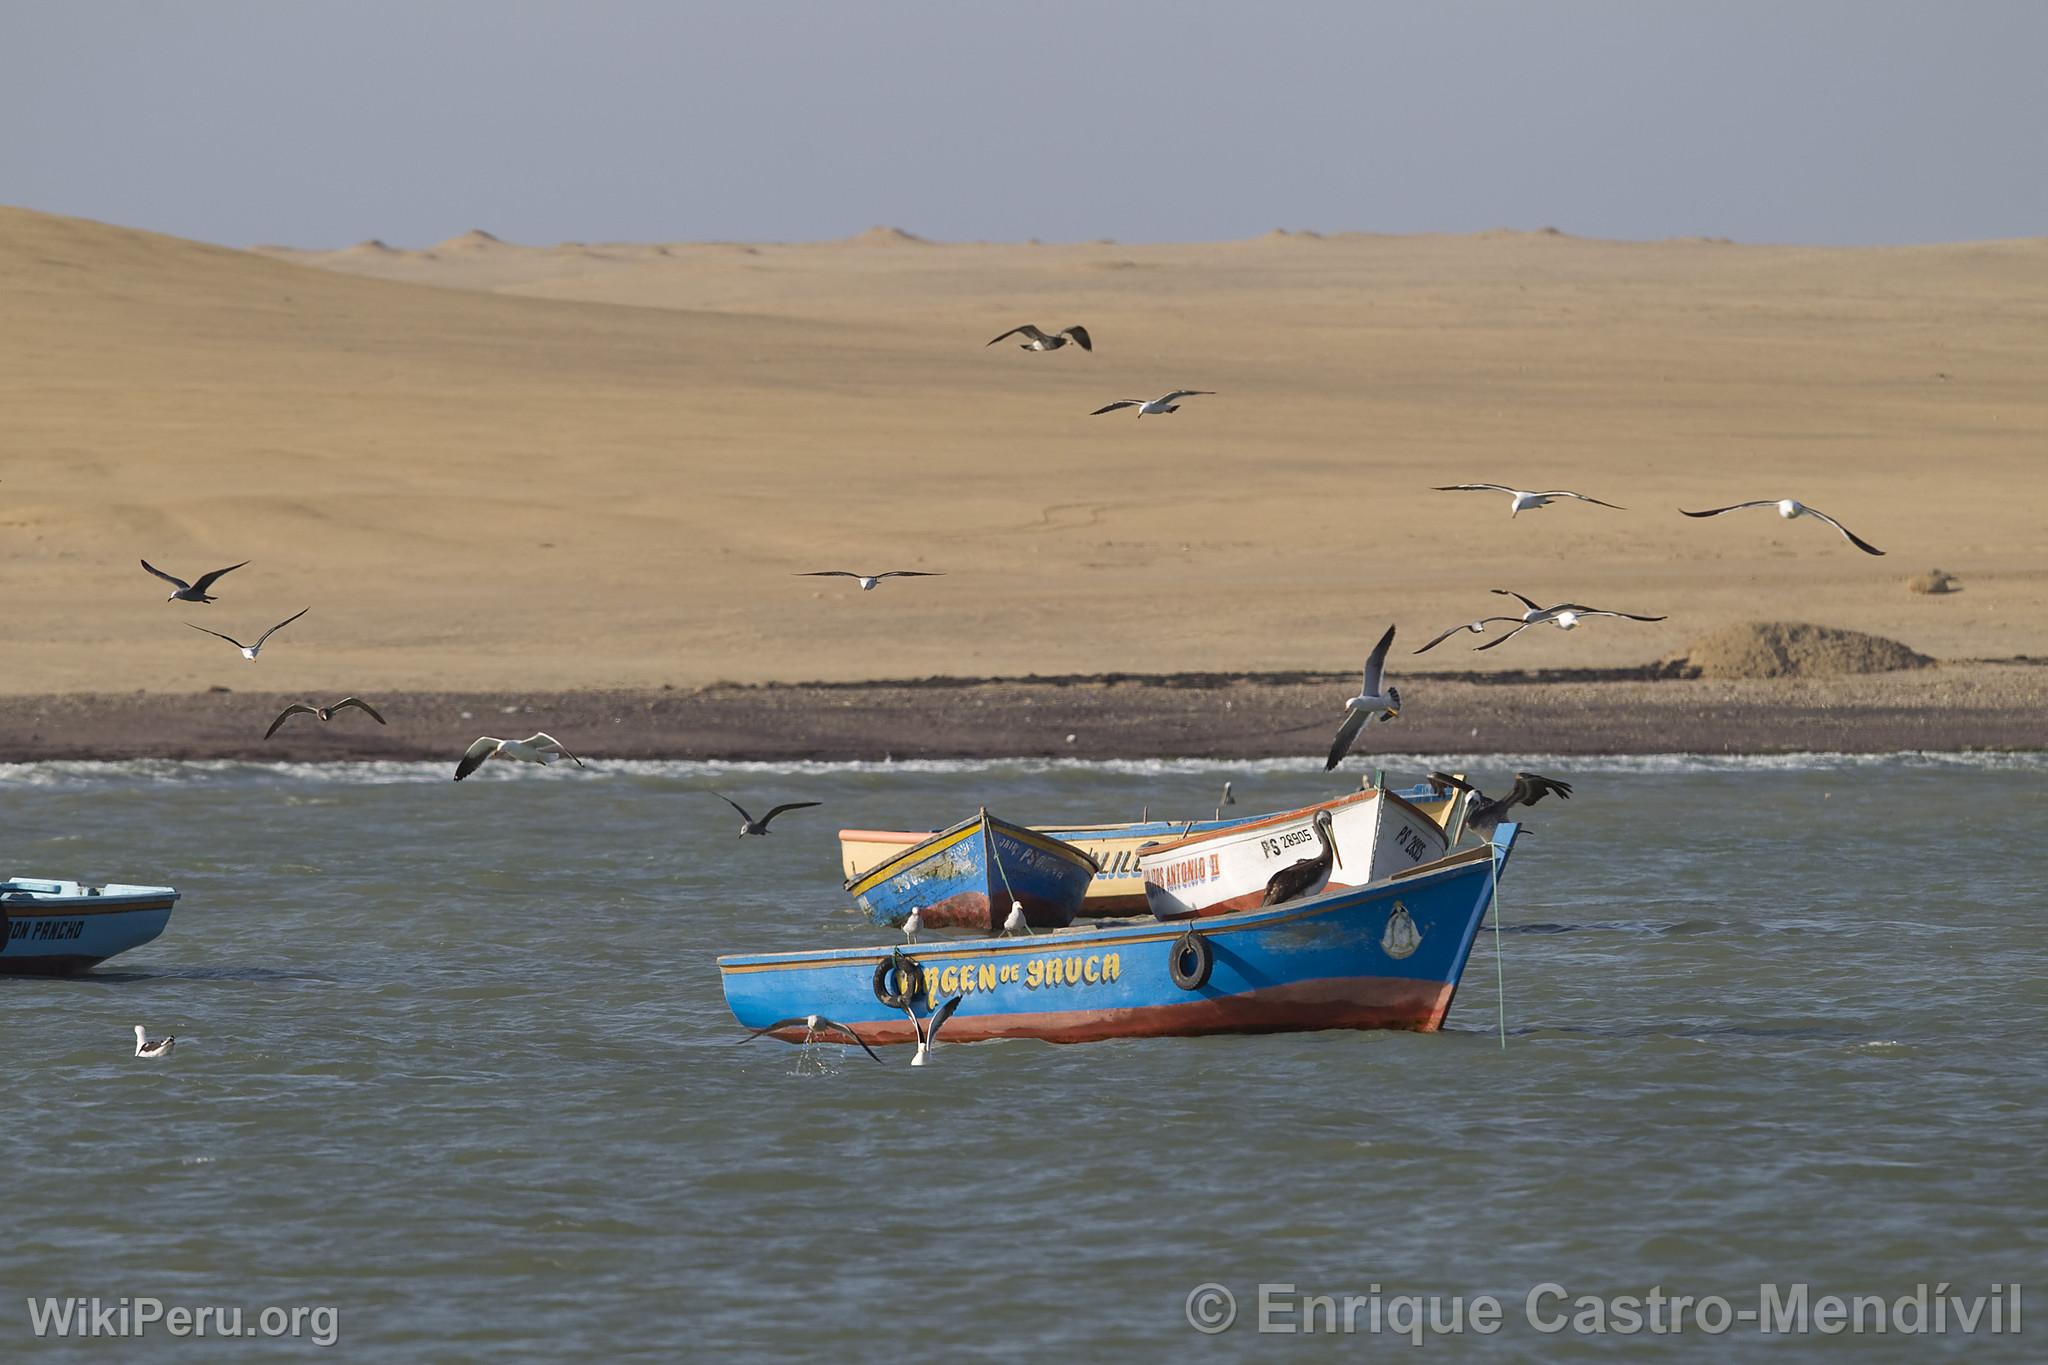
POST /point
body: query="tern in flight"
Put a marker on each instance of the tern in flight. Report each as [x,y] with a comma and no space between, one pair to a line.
[1041,341]
[928,1031]
[1170,403]
[191,592]
[1483,816]
[868,581]
[145,1046]
[814,1024]
[1791,509]
[538,748]
[250,652]
[760,826]
[1565,617]
[324,713]
[1373,702]
[1524,499]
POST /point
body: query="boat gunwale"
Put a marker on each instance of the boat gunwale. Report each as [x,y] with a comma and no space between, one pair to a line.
[1286,816]
[863,881]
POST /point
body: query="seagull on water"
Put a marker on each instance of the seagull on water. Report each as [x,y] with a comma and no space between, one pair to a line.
[325,713]
[1564,617]
[1014,923]
[760,826]
[1170,403]
[1524,499]
[1791,509]
[928,1032]
[145,1046]
[1483,816]
[250,652]
[1041,341]
[814,1024]
[538,747]
[191,592]
[867,581]
[1373,702]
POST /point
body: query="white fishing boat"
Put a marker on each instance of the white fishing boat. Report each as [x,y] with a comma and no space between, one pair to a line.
[1372,834]
[52,927]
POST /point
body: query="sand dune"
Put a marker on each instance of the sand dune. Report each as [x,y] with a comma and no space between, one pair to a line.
[494,465]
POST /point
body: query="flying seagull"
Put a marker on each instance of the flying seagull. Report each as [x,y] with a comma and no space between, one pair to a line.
[250,652]
[814,1024]
[538,747]
[146,1046]
[1791,509]
[1041,341]
[1170,403]
[867,581]
[1565,617]
[190,592]
[1523,498]
[1478,627]
[325,713]
[928,1033]
[1373,702]
[1483,816]
[760,826]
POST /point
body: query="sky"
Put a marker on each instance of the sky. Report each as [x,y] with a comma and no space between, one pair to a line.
[272,121]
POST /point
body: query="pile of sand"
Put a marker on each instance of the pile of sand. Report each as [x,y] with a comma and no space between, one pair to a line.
[1789,649]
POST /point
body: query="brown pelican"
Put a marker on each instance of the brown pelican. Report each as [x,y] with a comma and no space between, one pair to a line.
[1523,499]
[760,826]
[867,581]
[814,1024]
[250,652]
[1791,509]
[1372,702]
[1170,403]
[325,713]
[146,1046]
[191,592]
[1298,879]
[1041,341]
[538,747]
[1483,816]
[1228,800]
[1565,617]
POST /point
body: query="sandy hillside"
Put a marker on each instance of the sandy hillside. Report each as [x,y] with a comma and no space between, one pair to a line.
[487,465]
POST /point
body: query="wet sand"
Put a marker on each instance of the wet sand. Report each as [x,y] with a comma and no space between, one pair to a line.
[1988,706]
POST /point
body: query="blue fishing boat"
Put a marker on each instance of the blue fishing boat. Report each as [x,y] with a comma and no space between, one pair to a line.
[51,927]
[968,876]
[1385,955]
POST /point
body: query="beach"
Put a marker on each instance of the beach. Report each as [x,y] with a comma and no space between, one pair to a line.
[593,471]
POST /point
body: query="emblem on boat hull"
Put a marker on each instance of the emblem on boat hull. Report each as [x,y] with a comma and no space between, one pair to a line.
[1401,938]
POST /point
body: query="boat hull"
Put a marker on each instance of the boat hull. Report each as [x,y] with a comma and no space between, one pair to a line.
[1384,956]
[966,878]
[1377,834]
[51,928]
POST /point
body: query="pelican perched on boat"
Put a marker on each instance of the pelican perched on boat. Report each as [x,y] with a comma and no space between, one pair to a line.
[145,1046]
[1523,499]
[250,652]
[1565,617]
[928,1032]
[1156,406]
[323,713]
[1791,509]
[1375,701]
[814,1024]
[1483,816]
[1049,341]
[195,591]
[1298,879]
[539,747]
[1228,800]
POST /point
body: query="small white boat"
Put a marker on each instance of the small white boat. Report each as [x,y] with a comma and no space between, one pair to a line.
[1375,834]
[52,927]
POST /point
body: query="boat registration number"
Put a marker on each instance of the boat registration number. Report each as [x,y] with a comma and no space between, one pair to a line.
[1280,843]
[45,930]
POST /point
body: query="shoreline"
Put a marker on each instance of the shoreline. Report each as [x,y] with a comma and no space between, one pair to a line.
[1958,707]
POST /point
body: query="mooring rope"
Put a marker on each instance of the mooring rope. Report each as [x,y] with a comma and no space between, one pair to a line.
[1500,985]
